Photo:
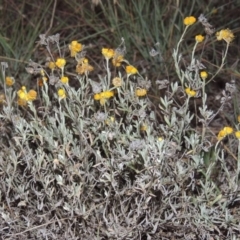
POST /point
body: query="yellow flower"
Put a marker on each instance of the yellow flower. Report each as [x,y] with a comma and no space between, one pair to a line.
[83,67]
[24,96]
[75,47]
[189,20]
[51,65]
[203,75]
[9,81]
[32,95]
[117,60]
[190,93]
[140,92]
[64,79]
[224,132]
[22,93]
[117,82]
[97,96]
[107,53]
[61,93]
[228,130]
[225,35]
[106,94]
[199,38]
[237,134]
[131,70]
[61,62]
[103,96]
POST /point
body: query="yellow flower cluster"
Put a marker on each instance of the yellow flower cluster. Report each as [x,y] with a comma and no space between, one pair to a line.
[75,47]
[226,35]
[140,92]
[24,96]
[224,132]
[190,93]
[83,67]
[131,70]
[60,63]
[103,96]
[109,53]
[189,20]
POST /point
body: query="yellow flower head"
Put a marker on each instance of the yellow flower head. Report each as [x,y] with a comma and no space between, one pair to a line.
[228,130]
[61,62]
[50,65]
[107,53]
[237,134]
[117,60]
[140,92]
[31,95]
[83,67]
[103,96]
[189,20]
[199,38]
[117,82]
[221,135]
[75,47]
[97,96]
[22,93]
[131,70]
[64,79]
[24,96]
[224,132]
[190,93]
[9,81]
[61,93]
[203,75]
[238,118]
[106,94]
[226,35]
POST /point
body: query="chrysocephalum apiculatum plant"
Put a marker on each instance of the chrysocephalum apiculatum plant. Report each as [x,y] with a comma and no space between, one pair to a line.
[85,157]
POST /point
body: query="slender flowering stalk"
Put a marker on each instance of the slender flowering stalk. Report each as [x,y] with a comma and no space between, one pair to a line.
[188,21]
[199,39]
[228,37]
